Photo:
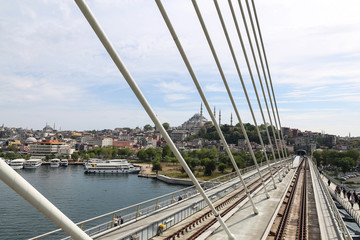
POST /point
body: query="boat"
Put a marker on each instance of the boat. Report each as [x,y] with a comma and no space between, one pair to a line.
[33,163]
[64,163]
[111,166]
[17,163]
[55,162]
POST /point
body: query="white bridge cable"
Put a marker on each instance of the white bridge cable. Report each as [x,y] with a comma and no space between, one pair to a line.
[203,97]
[193,76]
[262,65]
[252,78]
[280,152]
[133,85]
[256,93]
[197,10]
[243,85]
[268,70]
[10,177]
[224,79]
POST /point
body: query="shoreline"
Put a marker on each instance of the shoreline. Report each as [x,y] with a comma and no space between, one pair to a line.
[147,173]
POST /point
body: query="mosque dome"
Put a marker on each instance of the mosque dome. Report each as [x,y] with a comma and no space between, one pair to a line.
[30,140]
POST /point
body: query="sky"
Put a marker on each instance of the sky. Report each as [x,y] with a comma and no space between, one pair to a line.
[53,68]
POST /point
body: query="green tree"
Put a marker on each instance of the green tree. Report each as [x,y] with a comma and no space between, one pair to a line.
[346,164]
[142,155]
[166,125]
[151,153]
[240,161]
[12,148]
[222,167]
[148,127]
[156,166]
[202,132]
[10,155]
[75,156]
[210,166]
[174,160]
[352,153]
[259,156]
[317,156]
[166,151]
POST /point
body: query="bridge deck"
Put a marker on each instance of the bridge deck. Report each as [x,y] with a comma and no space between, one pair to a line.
[128,229]
[244,224]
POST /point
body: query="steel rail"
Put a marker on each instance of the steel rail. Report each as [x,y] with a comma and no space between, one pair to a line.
[281,230]
[254,184]
[302,224]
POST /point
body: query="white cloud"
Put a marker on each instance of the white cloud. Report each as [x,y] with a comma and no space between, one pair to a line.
[50,52]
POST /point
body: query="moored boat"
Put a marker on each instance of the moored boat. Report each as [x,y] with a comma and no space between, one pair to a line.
[33,163]
[111,166]
[17,163]
[64,163]
[55,162]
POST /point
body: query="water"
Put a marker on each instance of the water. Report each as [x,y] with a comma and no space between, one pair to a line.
[77,195]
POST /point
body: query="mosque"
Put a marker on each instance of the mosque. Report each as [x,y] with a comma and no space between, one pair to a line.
[198,120]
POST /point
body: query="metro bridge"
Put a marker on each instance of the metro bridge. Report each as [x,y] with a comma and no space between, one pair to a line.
[280,199]
[189,217]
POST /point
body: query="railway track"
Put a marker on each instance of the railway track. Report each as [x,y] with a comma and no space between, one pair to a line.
[292,220]
[203,222]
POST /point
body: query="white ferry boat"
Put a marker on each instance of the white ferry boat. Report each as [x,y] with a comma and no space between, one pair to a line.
[64,163]
[111,166]
[55,162]
[33,163]
[17,163]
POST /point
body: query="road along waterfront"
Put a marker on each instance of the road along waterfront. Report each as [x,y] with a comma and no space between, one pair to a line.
[79,196]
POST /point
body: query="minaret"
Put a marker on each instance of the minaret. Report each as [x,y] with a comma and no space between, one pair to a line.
[231,120]
[219,118]
[201,115]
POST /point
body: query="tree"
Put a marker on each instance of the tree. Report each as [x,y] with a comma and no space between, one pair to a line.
[166,125]
[142,155]
[352,153]
[222,167]
[174,160]
[148,127]
[202,132]
[75,156]
[210,166]
[12,148]
[346,164]
[259,156]
[166,151]
[156,166]
[317,156]
[151,153]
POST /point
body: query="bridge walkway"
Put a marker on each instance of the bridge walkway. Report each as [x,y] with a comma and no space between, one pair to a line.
[243,223]
[128,229]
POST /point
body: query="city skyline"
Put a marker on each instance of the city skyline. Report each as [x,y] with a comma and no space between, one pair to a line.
[55,70]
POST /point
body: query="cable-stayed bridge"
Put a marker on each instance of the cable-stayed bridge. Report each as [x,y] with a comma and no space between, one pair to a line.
[258,194]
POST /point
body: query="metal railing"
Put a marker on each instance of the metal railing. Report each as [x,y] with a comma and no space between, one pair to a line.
[341,229]
[138,211]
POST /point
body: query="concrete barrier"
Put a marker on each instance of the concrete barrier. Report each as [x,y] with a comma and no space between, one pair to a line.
[186,182]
